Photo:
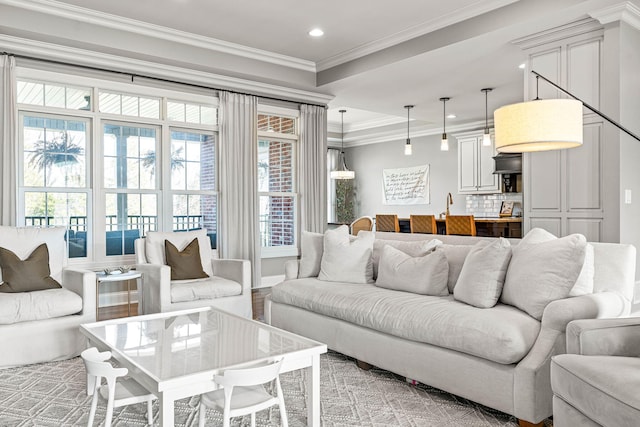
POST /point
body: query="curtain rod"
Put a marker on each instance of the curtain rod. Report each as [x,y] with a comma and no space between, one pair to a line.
[159,79]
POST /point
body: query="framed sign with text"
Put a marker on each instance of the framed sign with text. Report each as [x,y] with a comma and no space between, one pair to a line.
[405,186]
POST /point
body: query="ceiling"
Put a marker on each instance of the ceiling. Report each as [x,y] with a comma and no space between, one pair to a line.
[376,56]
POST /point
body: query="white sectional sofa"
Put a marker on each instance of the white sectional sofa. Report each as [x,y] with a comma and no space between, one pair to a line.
[498,356]
[43,325]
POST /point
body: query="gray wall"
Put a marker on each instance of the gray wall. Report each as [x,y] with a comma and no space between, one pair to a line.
[629,62]
[368,161]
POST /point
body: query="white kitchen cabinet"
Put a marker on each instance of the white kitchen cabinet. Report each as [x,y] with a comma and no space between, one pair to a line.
[476,165]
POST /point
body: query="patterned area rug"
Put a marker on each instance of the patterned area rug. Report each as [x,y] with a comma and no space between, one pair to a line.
[53,395]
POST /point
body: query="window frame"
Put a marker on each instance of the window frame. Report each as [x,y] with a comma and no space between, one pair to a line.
[96,209]
[294,138]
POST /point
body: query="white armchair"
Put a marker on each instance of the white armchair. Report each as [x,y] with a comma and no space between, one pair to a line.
[598,384]
[228,286]
[43,325]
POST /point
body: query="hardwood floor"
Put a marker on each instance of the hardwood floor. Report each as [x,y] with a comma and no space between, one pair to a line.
[257,299]
[117,311]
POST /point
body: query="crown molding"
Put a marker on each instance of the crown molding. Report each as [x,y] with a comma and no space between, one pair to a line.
[625,12]
[367,124]
[401,135]
[77,13]
[65,54]
[478,8]
[572,29]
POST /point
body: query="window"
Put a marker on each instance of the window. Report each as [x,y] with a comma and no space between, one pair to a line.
[54,176]
[276,183]
[138,159]
[193,182]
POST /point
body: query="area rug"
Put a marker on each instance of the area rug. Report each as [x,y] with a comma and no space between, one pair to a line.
[53,395]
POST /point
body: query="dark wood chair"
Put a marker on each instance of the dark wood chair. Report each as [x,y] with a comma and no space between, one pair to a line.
[462,225]
[387,223]
[423,224]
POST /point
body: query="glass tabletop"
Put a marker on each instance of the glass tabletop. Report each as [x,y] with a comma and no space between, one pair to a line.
[169,346]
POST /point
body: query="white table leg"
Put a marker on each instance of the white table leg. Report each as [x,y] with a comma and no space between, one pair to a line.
[313,392]
[166,410]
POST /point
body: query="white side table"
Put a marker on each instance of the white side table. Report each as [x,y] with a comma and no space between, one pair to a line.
[122,277]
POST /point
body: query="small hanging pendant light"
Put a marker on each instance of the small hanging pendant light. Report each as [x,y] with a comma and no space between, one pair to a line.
[342,172]
[407,147]
[444,143]
[486,138]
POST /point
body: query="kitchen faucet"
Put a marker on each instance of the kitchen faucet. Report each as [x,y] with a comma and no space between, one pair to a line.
[449,202]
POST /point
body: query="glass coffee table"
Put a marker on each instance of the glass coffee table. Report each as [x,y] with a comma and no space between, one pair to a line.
[176,354]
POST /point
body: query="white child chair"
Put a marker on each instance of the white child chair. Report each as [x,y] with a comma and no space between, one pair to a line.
[243,393]
[117,393]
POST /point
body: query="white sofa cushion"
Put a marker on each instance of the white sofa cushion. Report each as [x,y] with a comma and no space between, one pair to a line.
[456,254]
[23,240]
[208,288]
[346,259]
[502,334]
[38,305]
[312,248]
[426,275]
[416,248]
[482,277]
[154,246]
[540,273]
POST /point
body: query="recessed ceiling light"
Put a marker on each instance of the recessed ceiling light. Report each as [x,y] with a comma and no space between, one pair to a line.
[451,116]
[521,66]
[316,32]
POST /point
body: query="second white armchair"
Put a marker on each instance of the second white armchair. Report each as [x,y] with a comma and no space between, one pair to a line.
[225,284]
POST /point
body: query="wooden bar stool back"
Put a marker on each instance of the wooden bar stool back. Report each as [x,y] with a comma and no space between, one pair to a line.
[423,224]
[387,223]
[462,225]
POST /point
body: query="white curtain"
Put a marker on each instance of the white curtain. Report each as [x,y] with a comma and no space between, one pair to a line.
[312,170]
[238,207]
[333,157]
[9,140]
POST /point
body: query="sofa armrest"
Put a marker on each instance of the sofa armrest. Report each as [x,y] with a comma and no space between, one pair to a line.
[83,283]
[291,269]
[535,367]
[605,337]
[156,288]
[238,270]
[558,314]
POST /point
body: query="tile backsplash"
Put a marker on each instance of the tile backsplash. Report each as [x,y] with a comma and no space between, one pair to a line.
[488,205]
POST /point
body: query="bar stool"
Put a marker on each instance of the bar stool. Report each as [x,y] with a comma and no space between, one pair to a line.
[462,225]
[423,224]
[387,223]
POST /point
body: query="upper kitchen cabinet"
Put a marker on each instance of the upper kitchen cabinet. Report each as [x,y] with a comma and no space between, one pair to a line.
[476,165]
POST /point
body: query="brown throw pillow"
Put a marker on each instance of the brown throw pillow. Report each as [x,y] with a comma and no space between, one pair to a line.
[185,264]
[32,274]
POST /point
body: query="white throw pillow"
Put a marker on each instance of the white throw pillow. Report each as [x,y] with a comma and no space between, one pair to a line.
[426,275]
[23,240]
[312,247]
[345,259]
[154,246]
[414,248]
[584,284]
[482,277]
[456,254]
[543,271]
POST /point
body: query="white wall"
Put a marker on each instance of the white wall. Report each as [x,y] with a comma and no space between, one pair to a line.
[368,161]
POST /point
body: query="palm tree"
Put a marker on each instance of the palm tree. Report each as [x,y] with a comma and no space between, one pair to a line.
[60,151]
[177,160]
